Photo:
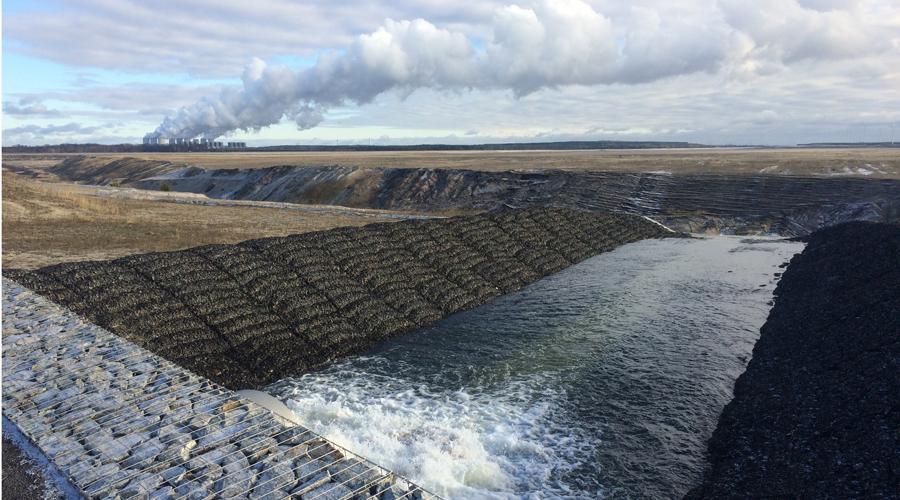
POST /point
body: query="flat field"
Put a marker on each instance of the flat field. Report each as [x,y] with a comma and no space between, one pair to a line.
[868,162]
[47,223]
[50,222]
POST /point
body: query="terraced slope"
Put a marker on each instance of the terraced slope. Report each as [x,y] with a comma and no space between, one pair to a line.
[817,413]
[251,313]
[790,205]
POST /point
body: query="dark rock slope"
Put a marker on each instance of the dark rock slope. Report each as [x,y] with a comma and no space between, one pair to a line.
[787,205]
[817,413]
[248,314]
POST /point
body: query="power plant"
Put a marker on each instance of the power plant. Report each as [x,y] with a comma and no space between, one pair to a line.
[190,144]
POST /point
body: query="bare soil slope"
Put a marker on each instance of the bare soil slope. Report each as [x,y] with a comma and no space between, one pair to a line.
[743,203]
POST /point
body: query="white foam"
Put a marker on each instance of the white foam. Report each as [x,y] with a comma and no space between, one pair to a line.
[497,444]
[620,329]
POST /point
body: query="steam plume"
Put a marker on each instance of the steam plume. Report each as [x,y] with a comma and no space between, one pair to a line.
[553,43]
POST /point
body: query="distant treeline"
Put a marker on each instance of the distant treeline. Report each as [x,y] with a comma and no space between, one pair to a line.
[75,148]
[563,145]
[851,145]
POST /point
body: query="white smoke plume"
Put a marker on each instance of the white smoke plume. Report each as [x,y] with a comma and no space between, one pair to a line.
[552,43]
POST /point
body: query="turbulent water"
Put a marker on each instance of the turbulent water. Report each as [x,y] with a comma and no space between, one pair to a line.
[603,380]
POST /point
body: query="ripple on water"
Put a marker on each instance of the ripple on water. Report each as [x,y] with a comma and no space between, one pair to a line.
[603,380]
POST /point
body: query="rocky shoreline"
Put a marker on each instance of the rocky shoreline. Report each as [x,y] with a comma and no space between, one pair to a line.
[248,314]
[816,413]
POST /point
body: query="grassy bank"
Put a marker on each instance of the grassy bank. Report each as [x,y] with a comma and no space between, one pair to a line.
[47,223]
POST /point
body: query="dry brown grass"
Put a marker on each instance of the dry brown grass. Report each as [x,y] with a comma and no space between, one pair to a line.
[800,161]
[84,206]
[46,223]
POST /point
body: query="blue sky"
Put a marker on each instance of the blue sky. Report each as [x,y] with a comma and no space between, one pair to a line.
[714,71]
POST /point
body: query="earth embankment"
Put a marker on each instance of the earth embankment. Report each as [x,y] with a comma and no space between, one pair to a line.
[247,314]
[816,413]
[698,202]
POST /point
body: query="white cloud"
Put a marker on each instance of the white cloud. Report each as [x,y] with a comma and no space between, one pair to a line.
[550,44]
[34,134]
[720,66]
[206,37]
[27,107]
[788,30]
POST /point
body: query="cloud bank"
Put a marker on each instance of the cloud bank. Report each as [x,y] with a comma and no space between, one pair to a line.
[33,134]
[29,108]
[546,45]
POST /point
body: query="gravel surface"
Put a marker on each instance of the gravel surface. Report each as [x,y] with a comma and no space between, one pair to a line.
[817,413]
[248,314]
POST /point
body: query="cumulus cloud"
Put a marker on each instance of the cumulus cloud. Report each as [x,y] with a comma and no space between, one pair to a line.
[554,43]
[207,38]
[650,65]
[548,44]
[792,30]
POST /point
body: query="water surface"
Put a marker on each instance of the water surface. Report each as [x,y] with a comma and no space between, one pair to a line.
[604,380]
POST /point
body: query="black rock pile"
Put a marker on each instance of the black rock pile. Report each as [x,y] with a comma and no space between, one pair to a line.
[817,413]
[248,314]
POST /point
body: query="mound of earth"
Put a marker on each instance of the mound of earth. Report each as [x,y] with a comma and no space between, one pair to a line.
[817,413]
[247,314]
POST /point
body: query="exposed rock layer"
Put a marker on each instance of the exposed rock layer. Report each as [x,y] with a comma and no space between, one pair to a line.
[817,413]
[783,204]
[248,314]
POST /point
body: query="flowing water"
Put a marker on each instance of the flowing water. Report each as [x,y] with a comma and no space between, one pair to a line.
[604,380]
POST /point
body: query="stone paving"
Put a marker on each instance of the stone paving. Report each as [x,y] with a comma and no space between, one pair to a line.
[121,422]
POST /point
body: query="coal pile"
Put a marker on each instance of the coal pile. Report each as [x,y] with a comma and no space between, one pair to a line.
[817,413]
[248,314]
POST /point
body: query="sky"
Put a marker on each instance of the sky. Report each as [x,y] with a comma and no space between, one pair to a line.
[403,72]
